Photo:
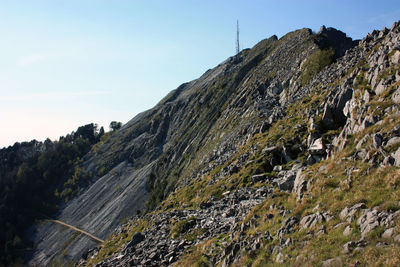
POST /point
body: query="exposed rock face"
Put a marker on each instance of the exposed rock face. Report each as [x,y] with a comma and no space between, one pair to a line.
[204,123]
[311,220]
[96,210]
[200,122]
[371,219]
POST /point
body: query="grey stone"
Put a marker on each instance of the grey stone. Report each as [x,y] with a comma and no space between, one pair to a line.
[335,262]
[300,184]
[377,140]
[349,213]
[311,220]
[347,230]
[275,88]
[286,182]
[381,244]
[259,177]
[362,155]
[396,57]
[388,233]
[362,142]
[288,225]
[248,96]
[396,96]
[317,147]
[358,249]
[372,218]
[339,225]
[381,87]
[286,155]
[388,160]
[311,138]
[396,157]
[348,247]
[367,96]
[277,168]
[280,258]
[367,122]
[393,141]
[327,118]
[344,96]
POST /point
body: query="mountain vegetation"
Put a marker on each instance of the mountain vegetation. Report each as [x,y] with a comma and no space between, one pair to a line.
[285,154]
[314,183]
[35,178]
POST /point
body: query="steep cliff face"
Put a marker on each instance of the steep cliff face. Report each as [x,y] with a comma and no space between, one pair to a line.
[191,133]
[300,167]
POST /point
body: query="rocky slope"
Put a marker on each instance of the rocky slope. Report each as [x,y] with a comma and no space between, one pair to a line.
[321,175]
[266,158]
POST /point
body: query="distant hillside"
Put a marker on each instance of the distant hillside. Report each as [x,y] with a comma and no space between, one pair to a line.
[35,178]
[286,153]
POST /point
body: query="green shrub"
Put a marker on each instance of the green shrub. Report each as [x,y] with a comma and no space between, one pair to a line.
[182,226]
[315,63]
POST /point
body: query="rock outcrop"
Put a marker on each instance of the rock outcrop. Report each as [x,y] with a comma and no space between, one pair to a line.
[196,127]
[241,163]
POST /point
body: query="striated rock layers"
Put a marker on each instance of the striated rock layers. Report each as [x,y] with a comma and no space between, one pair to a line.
[209,128]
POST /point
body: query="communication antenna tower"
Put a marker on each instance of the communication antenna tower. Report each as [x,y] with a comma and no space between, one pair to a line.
[237,37]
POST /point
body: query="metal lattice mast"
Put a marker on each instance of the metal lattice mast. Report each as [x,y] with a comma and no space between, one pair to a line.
[237,37]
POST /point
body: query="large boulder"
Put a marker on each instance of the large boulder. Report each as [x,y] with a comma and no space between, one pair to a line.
[317,148]
[396,157]
[396,96]
[345,95]
[327,118]
[311,220]
[300,184]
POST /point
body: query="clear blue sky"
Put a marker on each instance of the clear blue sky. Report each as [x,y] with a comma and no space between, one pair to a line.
[67,63]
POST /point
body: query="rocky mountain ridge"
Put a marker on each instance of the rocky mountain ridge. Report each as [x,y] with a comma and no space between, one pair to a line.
[358,95]
[233,161]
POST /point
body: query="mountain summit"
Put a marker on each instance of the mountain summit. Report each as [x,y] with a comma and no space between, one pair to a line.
[285,153]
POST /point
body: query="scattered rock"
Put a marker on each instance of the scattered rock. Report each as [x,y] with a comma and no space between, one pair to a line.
[348,214]
[286,182]
[397,238]
[259,178]
[300,184]
[342,107]
[311,220]
[372,218]
[396,96]
[381,244]
[317,148]
[377,140]
[155,246]
[396,157]
[393,141]
[332,262]
[388,233]
[288,225]
[347,230]
[280,258]
[381,87]
[352,245]
[327,118]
